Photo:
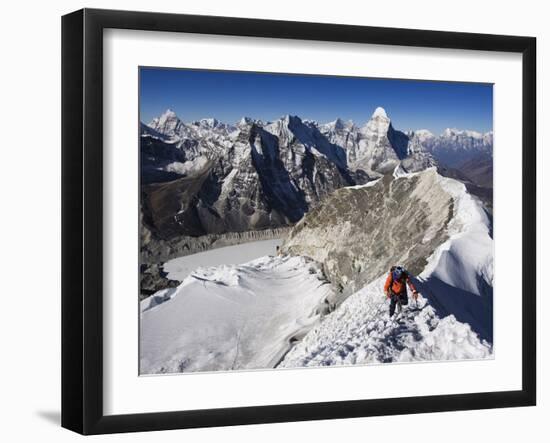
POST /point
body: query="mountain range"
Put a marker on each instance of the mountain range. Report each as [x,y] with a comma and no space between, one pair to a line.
[209,177]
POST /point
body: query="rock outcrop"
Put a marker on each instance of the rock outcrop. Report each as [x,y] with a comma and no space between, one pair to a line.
[153,279]
[359,232]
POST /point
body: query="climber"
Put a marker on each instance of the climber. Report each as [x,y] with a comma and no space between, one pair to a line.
[396,287]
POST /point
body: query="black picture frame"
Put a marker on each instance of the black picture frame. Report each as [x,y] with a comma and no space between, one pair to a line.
[82,218]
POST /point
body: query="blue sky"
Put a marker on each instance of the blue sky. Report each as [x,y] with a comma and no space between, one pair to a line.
[227,96]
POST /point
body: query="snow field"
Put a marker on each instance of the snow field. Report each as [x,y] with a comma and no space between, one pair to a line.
[232,316]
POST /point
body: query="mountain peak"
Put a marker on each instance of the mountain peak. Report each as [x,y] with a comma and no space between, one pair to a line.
[338,123]
[209,122]
[168,114]
[244,121]
[379,112]
[422,133]
[165,117]
[378,124]
[166,123]
[288,118]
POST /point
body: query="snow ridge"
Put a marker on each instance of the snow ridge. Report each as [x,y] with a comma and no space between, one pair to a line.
[360,332]
[452,321]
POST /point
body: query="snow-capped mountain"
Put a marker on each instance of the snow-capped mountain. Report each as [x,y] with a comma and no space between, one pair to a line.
[208,177]
[206,137]
[254,176]
[370,151]
[171,126]
[167,124]
[377,148]
[455,147]
[340,133]
[381,146]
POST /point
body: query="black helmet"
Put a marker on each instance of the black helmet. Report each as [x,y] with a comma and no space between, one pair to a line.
[398,272]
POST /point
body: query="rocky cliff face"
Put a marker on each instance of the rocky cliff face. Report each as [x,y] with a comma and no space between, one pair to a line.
[264,178]
[359,232]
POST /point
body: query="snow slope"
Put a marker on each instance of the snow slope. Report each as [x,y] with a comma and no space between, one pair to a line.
[361,332]
[455,317]
[232,316]
[459,276]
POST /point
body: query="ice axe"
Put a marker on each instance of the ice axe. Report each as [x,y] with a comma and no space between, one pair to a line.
[416,299]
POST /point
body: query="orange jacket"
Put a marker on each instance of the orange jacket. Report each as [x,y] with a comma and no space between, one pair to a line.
[398,286]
